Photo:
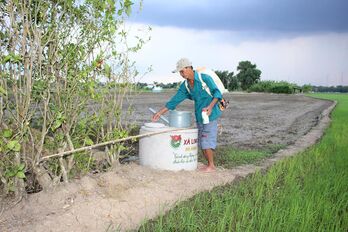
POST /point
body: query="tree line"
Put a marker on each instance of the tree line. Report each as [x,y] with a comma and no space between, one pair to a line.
[248,79]
[331,89]
[248,75]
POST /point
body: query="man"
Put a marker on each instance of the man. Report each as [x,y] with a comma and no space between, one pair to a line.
[207,133]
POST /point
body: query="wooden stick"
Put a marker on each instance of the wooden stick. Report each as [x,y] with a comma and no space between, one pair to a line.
[64,153]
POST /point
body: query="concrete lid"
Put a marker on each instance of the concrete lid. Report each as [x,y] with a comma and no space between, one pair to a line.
[154,125]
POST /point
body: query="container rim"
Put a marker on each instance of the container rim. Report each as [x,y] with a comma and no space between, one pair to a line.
[181,112]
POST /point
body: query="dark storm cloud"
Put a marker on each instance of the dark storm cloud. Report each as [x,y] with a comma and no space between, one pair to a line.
[249,15]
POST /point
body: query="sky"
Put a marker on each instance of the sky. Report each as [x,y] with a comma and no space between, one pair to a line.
[299,41]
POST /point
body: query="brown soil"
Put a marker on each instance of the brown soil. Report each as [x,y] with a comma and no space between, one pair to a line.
[122,199]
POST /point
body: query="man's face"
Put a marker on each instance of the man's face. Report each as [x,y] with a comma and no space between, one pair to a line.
[184,72]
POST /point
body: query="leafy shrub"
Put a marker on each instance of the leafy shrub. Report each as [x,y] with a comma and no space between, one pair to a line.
[307,88]
[262,86]
[283,87]
[274,87]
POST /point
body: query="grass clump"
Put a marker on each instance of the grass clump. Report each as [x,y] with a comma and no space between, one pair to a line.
[308,192]
[229,156]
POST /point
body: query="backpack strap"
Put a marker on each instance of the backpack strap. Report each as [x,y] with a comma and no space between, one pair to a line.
[204,85]
[186,85]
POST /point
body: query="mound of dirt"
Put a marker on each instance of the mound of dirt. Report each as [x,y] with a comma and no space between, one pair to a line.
[123,198]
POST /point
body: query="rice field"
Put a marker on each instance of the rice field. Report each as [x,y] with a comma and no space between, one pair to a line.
[307,192]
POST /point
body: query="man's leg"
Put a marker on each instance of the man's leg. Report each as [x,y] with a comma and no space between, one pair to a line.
[209,155]
[207,142]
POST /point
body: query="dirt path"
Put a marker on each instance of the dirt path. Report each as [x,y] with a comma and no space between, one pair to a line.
[124,198]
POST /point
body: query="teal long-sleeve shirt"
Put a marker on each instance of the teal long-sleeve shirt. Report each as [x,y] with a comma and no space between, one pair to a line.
[201,98]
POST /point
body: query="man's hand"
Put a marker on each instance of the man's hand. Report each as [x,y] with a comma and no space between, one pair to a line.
[157,115]
[208,110]
[211,105]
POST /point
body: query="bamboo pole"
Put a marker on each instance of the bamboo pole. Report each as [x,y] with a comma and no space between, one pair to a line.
[64,153]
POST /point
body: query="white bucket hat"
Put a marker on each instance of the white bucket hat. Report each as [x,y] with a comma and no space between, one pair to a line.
[181,64]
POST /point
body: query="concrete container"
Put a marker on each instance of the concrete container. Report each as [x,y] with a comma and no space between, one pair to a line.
[174,151]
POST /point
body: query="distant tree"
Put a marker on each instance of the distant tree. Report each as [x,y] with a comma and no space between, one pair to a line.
[307,88]
[339,88]
[248,74]
[224,76]
[173,85]
[141,85]
[234,83]
[228,79]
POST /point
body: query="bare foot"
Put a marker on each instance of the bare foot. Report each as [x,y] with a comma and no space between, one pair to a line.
[202,166]
[207,169]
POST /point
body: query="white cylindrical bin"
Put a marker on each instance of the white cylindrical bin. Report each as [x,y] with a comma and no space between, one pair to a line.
[176,150]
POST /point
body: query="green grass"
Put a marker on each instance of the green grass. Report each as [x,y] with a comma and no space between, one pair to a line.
[229,157]
[307,192]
